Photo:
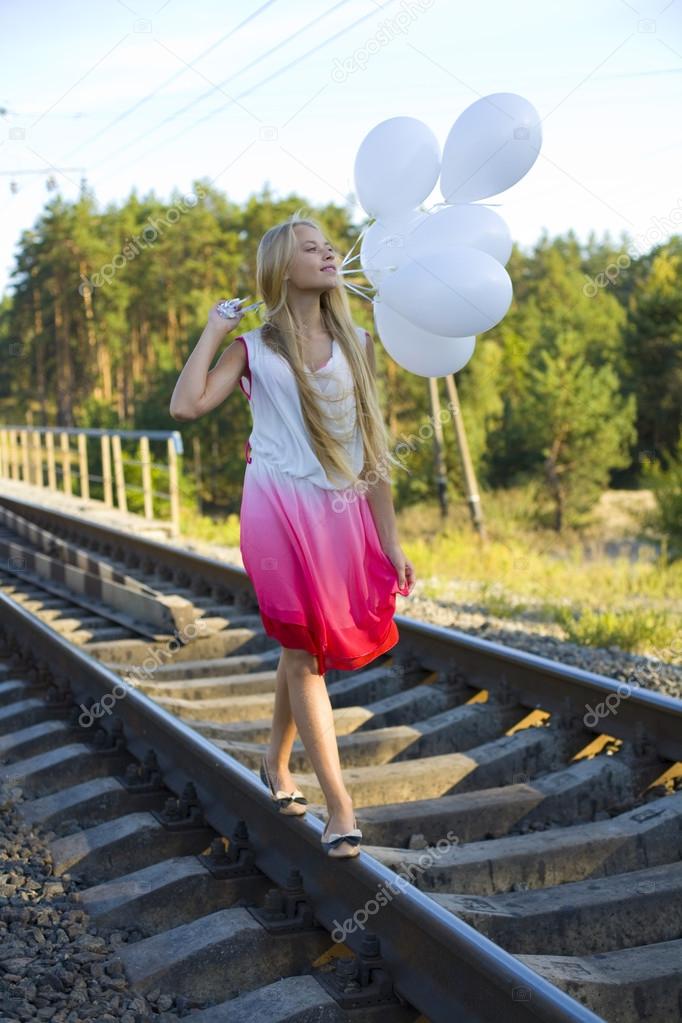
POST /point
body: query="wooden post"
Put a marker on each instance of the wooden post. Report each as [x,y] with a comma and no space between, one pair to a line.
[37,459]
[66,462]
[4,463]
[146,478]
[7,452]
[51,466]
[173,487]
[473,498]
[83,465]
[119,475]
[196,454]
[25,463]
[14,454]
[106,471]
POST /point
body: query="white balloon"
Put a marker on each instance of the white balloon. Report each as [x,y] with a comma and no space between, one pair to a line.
[418,351]
[396,166]
[453,292]
[384,243]
[490,147]
[463,224]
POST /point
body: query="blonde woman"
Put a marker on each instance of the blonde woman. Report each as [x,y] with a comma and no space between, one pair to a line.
[318,532]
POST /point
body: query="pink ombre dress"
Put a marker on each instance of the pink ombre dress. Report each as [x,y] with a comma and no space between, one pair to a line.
[311,549]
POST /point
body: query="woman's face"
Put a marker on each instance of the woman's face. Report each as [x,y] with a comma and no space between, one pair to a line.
[313,267]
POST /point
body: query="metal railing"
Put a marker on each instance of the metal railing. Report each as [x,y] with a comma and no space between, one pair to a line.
[41,455]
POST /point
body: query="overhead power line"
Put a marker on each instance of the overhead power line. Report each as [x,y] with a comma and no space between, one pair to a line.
[257,60]
[145,99]
[42,170]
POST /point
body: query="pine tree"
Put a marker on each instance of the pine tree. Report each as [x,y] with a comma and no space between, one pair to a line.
[583,424]
[654,344]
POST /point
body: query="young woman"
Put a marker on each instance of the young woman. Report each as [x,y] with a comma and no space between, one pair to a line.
[318,532]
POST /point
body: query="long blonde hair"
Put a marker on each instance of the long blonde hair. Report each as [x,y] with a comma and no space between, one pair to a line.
[280,333]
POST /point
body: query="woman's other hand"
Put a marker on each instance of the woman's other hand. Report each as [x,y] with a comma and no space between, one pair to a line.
[403,566]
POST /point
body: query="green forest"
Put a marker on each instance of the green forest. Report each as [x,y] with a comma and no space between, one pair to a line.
[577,390]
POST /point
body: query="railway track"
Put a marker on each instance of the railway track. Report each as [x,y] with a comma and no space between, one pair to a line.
[522,856]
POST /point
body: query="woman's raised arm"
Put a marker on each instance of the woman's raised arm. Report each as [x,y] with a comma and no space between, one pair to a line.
[199,390]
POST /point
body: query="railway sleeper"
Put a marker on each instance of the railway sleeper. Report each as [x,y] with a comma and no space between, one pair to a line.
[227,642]
[218,668]
[629,985]
[599,914]
[645,836]
[561,798]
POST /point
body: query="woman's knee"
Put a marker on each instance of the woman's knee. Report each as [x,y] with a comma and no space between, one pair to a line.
[299,660]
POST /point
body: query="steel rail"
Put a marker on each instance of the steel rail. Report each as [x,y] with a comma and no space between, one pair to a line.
[439,964]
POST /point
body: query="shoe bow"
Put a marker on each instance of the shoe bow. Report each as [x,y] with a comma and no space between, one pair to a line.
[352,837]
[285,798]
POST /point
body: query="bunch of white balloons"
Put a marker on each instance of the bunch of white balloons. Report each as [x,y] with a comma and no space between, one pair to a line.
[440,275]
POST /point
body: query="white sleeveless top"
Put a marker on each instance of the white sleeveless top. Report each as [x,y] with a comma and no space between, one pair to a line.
[279,439]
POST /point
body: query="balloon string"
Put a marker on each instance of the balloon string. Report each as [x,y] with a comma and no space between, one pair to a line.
[436,205]
[359,287]
[356,291]
[356,270]
[347,258]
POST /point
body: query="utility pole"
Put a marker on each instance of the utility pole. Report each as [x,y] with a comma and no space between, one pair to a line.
[51,182]
[472,495]
[439,448]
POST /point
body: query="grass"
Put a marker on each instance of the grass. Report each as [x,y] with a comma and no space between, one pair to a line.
[519,571]
[652,632]
[223,531]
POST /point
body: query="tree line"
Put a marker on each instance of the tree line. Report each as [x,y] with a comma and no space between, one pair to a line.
[576,389]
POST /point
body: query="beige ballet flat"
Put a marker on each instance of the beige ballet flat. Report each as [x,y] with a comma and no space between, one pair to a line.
[332,843]
[291,803]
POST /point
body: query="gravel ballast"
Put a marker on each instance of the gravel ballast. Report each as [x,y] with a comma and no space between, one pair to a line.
[52,959]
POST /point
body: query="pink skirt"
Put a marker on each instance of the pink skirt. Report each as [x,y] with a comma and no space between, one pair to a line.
[322,580]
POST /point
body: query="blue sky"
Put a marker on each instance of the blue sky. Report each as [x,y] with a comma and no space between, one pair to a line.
[88,86]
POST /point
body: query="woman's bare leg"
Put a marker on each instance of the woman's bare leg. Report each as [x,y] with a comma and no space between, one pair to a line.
[283,734]
[312,711]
